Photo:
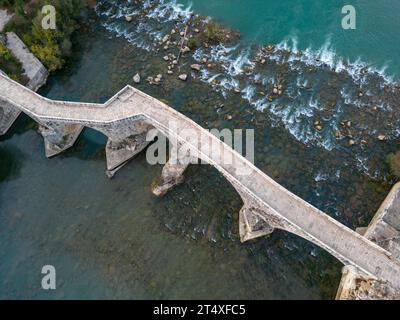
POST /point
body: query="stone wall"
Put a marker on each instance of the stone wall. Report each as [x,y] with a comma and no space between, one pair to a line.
[4,18]
[34,70]
[384,230]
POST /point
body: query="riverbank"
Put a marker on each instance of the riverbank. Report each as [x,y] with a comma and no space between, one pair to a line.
[52,47]
[33,74]
[42,51]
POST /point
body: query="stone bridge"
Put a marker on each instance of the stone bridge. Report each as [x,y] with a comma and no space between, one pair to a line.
[126,120]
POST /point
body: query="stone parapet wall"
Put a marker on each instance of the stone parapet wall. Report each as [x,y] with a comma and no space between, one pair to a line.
[384,230]
[33,68]
[4,18]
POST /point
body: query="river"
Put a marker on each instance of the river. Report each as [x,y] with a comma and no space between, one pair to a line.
[114,239]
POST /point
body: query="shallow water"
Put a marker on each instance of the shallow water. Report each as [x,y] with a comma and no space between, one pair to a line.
[113,239]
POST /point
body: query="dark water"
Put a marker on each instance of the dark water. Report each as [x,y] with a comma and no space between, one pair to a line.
[113,239]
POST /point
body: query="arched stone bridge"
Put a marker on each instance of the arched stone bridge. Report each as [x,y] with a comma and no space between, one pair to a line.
[127,118]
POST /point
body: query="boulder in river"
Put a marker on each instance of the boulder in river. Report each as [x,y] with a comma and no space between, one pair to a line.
[136,78]
[158,78]
[195,67]
[185,49]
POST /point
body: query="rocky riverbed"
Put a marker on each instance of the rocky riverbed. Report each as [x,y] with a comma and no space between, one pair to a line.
[296,102]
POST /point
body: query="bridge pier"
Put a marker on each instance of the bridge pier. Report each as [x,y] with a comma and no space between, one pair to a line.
[58,137]
[119,152]
[384,230]
[126,139]
[251,225]
[254,222]
[8,115]
[172,173]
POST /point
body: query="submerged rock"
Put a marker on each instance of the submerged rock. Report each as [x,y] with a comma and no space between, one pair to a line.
[136,78]
[317,125]
[269,48]
[183,77]
[165,39]
[381,137]
[185,49]
[158,78]
[196,67]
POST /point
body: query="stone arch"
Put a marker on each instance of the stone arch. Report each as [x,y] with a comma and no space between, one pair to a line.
[126,139]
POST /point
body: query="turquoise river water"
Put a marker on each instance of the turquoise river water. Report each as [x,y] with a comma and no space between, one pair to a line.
[114,239]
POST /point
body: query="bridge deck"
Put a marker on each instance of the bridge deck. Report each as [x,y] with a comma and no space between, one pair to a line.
[305,220]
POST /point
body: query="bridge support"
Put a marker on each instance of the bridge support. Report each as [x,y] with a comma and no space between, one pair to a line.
[351,282]
[251,225]
[59,137]
[384,230]
[172,174]
[8,115]
[119,152]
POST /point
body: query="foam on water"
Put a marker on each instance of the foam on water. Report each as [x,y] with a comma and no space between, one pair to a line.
[248,93]
[306,73]
[146,34]
[169,11]
[327,57]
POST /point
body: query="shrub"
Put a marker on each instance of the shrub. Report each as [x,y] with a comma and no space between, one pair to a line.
[50,46]
[192,43]
[214,32]
[11,66]
[7,3]
[5,53]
